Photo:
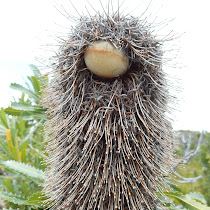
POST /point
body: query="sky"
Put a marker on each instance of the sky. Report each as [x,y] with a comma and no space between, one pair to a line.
[29,29]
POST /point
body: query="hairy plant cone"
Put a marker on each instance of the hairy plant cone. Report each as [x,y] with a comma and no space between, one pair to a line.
[109,140]
[104,60]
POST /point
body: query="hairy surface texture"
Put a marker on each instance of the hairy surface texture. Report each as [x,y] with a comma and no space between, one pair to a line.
[109,140]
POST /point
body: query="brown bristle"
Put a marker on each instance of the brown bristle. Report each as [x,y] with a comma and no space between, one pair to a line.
[109,140]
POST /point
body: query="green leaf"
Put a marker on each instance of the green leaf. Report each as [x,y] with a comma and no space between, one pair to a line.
[36,199]
[14,136]
[4,147]
[2,130]
[36,71]
[23,147]
[20,126]
[7,183]
[13,112]
[33,116]
[3,156]
[24,169]
[197,196]
[12,150]
[32,130]
[30,93]
[3,119]
[42,79]
[36,85]
[12,198]
[186,201]
[173,186]
[27,107]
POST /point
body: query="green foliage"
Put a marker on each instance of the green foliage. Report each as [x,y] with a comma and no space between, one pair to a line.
[24,169]
[199,165]
[30,108]
[22,145]
[191,202]
[16,199]
[30,93]
[35,201]
[197,196]
[204,160]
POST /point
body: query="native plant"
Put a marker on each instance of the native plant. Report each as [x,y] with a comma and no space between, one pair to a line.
[21,146]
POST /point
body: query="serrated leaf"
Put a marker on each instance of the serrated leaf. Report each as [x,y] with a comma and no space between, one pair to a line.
[33,116]
[12,198]
[30,93]
[13,112]
[36,199]
[186,201]
[27,107]
[24,169]
[43,80]
[197,196]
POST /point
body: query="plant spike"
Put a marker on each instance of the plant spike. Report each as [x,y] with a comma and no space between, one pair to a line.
[109,140]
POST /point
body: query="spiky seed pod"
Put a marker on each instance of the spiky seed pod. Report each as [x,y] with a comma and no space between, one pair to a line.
[109,141]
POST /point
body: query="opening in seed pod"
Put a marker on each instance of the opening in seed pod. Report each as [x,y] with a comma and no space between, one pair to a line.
[106,61]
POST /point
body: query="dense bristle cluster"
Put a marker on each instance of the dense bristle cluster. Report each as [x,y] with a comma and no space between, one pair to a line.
[109,141]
